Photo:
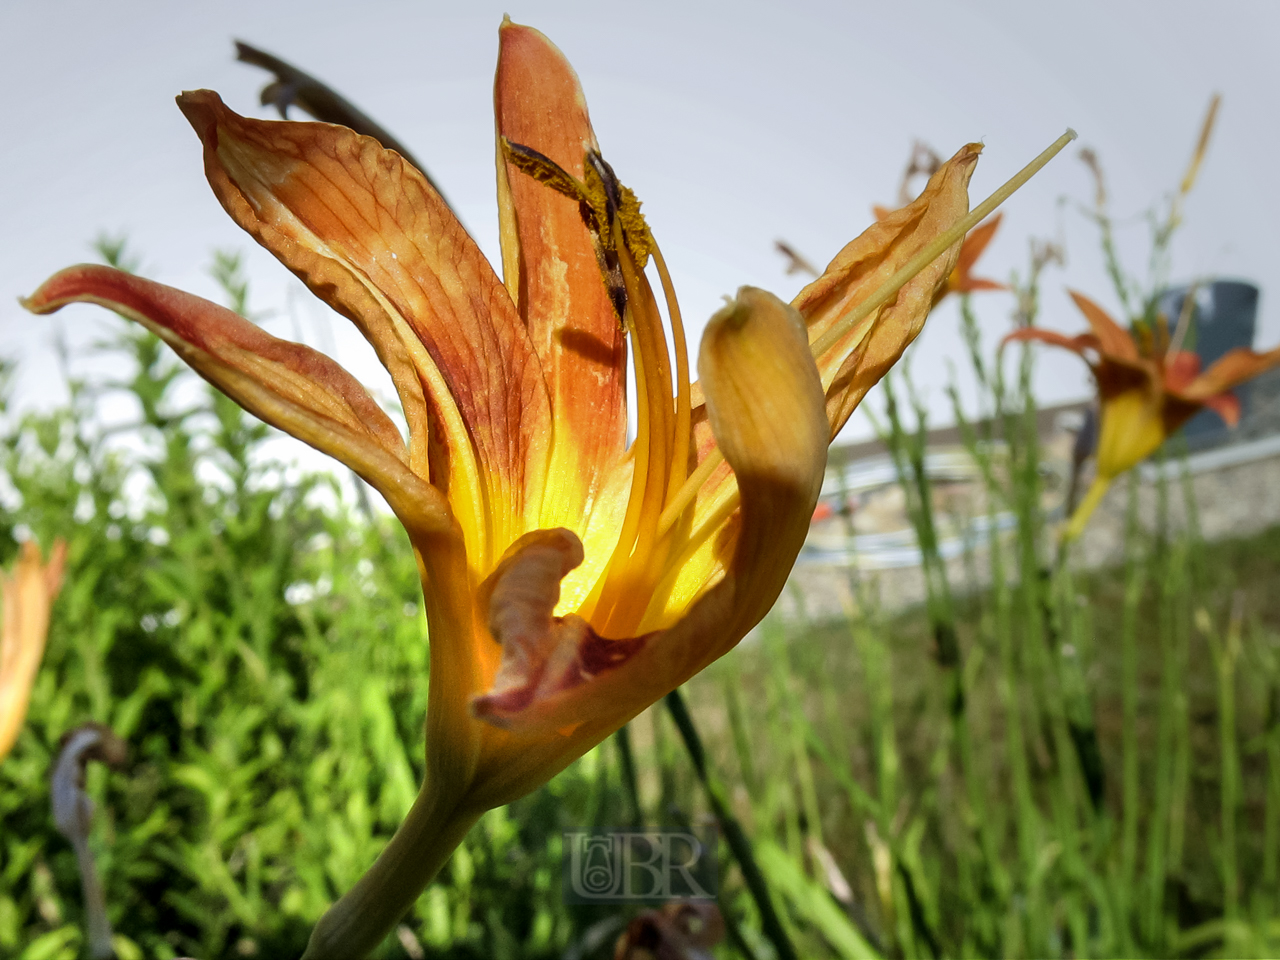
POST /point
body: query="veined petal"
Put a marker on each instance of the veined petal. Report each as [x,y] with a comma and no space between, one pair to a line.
[290,386]
[371,237]
[857,362]
[550,268]
[1112,338]
[28,594]
[767,407]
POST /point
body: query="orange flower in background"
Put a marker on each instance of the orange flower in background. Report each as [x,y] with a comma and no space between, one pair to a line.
[28,591]
[961,278]
[1145,391]
[571,579]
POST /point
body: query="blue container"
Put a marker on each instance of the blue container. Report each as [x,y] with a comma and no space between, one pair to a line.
[1225,316]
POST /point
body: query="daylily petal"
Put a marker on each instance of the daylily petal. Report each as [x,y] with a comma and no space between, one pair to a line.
[861,358]
[557,673]
[290,386]
[1077,344]
[542,655]
[28,594]
[1230,370]
[551,271]
[370,236]
[961,279]
[1114,375]
[1112,338]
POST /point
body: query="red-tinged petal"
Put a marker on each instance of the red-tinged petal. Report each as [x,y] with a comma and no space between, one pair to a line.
[543,656]
[1180,369]
[28,594]
[857,362]
[288,385]
[1230,370]
[552,273]
[1112,338]
[1227,406]
[371,237]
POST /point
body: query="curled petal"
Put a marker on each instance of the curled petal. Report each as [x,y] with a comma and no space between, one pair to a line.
[857,362]
[369,235]
[28,594]
[543,657]
[290,386]
[550,267]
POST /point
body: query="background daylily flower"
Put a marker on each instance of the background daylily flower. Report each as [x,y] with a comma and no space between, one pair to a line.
[570,578]
[1146,391]
[28,593]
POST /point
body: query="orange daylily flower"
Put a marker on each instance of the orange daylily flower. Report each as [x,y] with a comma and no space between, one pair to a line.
[961,278]
[28,594]
[571,579]
[1146,392]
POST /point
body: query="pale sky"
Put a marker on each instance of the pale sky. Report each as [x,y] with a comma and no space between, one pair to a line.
[736,124]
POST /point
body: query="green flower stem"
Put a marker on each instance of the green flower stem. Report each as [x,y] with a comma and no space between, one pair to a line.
[359,921]
[731,829]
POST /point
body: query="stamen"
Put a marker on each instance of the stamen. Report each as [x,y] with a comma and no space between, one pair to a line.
[936,248]
[684,411]
[689,490]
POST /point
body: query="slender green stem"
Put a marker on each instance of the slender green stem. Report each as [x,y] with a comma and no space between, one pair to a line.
[359,921]
[627,763]
[1134,576]
[734,835]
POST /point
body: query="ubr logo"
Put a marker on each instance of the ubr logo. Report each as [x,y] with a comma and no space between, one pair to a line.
[645,867]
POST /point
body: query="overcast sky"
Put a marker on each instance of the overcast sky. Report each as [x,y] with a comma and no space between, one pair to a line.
[736,124]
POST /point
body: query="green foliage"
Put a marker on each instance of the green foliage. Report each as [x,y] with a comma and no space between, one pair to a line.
[262,649]
[1055,764]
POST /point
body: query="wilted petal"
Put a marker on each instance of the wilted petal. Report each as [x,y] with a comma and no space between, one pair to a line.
[543,656]
[862,357]
[552,273]
[371,237]
[290,386]
[28,594]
